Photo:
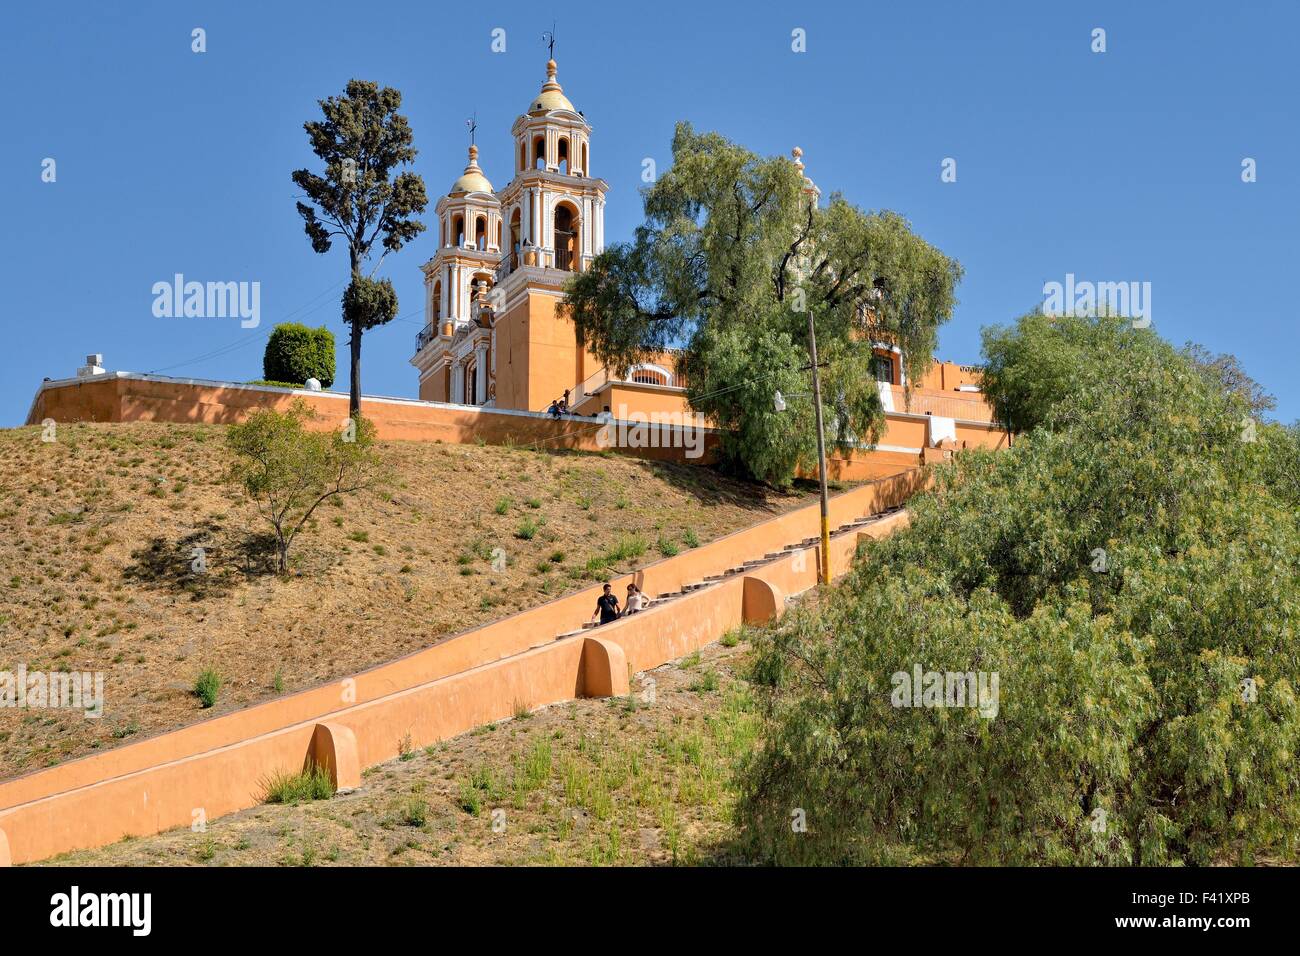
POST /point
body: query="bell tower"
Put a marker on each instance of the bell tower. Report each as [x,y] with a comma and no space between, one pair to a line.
[553,224]
[452,352]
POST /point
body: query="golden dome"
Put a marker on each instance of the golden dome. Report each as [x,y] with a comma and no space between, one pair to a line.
[472,180]
[552,96]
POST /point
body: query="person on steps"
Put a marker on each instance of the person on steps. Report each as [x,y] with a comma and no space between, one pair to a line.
[636,601]
[606,606]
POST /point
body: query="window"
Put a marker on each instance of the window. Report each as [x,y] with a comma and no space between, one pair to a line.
[882,367]
[515,239]
[539,153]
[480,232]
[649,375]
[566,240]
[563,160]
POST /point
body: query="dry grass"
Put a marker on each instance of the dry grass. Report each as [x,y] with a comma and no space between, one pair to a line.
[97,533]
[622,781]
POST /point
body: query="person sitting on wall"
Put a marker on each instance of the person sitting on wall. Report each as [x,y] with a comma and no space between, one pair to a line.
[606,606]
[554,410]
[636,601]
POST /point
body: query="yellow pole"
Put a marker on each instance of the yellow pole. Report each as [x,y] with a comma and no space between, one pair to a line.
[824,568]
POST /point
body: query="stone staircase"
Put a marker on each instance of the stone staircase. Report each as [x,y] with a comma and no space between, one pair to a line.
[851,527]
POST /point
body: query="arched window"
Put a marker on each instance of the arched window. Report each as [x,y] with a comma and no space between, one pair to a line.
[458,230]
[586,171]
[882,368]
[539,153]
[562,160]
[436,311]
[515,238]
[483,284]
[649,375]
[480,232]
[523,156]
[566,237]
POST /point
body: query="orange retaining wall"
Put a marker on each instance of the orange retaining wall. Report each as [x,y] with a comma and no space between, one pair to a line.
[123,397]
[459,683]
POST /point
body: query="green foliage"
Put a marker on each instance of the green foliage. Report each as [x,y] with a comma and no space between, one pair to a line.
[289,787]
[362,139]
[295,353]
[207,686]
[1127,569]
[368,303]
[730,262]
[287,470]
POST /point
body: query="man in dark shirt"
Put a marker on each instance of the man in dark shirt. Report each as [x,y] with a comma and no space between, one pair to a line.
[606,606]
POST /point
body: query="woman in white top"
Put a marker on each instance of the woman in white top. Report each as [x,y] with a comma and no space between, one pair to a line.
[635,600]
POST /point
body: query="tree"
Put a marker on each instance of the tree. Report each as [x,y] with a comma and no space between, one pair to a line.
[1127,569]
[1227,370]
[732,257]
[361,141]
[295,353]
[1031,364]
[287,470]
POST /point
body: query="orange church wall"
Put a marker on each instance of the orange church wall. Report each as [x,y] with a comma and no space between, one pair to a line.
[552,353]
[436,386]
[462,682]
[948,376]
[644,399]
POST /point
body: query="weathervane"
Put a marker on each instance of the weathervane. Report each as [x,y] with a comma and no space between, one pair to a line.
[472,123]
[549,39]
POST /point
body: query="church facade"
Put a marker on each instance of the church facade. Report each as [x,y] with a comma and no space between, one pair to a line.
[492,336]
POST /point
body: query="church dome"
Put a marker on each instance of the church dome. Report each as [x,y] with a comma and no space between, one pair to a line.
[552,96]
[472,180]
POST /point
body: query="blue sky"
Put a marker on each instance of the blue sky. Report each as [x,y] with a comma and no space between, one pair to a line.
[1115,166]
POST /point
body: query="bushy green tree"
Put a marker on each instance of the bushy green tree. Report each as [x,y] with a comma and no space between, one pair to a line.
[731,259]
[362,139]
[287,468]
[295,353]
[1128,570]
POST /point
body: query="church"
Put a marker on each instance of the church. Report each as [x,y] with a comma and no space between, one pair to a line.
[492,336]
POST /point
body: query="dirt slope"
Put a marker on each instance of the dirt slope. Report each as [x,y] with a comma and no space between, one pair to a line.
[97,538]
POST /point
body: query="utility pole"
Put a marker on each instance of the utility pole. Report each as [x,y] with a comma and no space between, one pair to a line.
[824,565]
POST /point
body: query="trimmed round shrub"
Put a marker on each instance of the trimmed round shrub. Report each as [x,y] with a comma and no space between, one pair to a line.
[295,353]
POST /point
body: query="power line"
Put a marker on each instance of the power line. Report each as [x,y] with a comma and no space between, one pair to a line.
[248,340]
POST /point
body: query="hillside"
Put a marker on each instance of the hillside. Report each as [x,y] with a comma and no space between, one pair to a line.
[637,780]
[97,539]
